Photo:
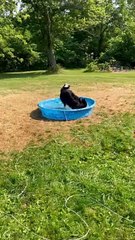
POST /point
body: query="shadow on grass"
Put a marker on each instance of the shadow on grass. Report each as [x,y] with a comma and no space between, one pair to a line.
[32,74]
[37,115]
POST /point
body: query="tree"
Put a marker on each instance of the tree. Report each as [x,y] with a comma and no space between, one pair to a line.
[71,32]
[51,17]
[16,50]
[90,39]
[121,45]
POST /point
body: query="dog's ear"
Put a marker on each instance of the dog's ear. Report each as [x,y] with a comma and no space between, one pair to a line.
[66,86]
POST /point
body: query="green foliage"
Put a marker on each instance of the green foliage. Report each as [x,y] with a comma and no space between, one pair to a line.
[94,66]
[122,49]
[104,67]
[96,172]
[57,69]
[41,33]
[17,52]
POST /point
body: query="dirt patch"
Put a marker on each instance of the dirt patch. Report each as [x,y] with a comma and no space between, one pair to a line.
[21,122]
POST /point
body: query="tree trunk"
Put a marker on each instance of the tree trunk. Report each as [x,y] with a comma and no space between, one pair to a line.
[50,51]
[100,44]
[101,39]
[51,59]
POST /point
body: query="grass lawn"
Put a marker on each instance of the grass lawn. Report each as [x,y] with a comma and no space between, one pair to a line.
[36,80]
[81,188]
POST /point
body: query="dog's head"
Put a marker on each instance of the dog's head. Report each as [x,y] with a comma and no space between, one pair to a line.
[66,86]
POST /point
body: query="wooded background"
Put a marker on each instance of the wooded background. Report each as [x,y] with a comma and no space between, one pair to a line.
[37,34]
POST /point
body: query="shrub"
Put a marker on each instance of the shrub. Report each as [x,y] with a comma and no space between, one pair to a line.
[92,67]
[58,69]
[96,67]
[105,67]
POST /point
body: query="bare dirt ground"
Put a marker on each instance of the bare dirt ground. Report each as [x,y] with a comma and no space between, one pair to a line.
[21,122]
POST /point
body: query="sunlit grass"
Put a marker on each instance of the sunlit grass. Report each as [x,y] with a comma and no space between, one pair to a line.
[34,80]
[83,188]
[66,190]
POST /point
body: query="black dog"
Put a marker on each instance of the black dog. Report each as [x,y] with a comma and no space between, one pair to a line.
[70,99]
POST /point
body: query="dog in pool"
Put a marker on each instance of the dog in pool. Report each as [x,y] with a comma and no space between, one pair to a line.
[69,98]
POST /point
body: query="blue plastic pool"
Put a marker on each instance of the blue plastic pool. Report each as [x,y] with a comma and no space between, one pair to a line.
[54,109]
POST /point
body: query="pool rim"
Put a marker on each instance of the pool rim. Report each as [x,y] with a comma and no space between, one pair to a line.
[67,110]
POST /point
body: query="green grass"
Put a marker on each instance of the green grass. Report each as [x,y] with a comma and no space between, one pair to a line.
[78,189]
[34,80]
[64,190]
